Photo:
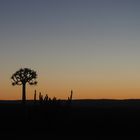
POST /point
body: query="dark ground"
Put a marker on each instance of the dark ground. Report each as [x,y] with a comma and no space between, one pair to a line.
[96,118]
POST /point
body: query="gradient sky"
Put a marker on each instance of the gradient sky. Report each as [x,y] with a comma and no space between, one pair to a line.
[90,46]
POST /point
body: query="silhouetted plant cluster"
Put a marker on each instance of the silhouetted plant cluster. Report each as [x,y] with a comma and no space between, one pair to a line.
[26,75]
[46,100]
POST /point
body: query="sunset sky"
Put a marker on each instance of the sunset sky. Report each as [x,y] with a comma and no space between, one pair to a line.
[90,46]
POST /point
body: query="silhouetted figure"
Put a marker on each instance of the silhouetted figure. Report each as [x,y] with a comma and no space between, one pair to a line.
[22,77]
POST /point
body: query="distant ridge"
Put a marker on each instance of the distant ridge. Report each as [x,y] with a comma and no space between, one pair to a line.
[96,103]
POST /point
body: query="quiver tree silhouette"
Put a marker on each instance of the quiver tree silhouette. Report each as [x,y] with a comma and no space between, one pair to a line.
[22,77]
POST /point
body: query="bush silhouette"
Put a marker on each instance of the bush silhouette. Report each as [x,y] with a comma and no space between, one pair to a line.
[22,77]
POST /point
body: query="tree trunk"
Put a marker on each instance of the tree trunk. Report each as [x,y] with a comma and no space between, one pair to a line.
[24,92]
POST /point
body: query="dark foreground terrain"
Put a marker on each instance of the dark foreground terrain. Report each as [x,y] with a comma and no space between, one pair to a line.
[96,118]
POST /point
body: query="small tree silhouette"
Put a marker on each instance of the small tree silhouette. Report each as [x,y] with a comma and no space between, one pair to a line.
[22,77]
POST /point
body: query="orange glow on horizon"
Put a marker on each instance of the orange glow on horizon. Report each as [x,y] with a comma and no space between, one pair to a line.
[14,93]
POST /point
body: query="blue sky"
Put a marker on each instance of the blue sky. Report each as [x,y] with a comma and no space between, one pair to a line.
[89,45]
